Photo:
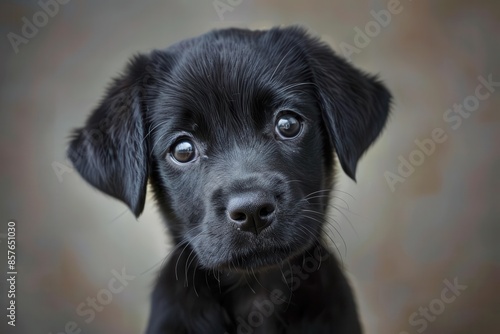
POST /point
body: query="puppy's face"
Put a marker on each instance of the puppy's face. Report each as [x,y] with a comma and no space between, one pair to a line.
[236,132]
[236,151]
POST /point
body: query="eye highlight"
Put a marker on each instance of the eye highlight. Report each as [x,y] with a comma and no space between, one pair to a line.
[183,151]
[288,125]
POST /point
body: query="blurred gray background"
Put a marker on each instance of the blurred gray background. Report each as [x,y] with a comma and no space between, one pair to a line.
[407,234]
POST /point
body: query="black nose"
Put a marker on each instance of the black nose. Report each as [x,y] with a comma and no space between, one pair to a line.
[251,211]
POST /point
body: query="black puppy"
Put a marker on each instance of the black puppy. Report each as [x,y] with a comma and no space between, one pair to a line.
[236,132]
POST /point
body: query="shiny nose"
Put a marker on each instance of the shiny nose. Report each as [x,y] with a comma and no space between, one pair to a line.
[251,211]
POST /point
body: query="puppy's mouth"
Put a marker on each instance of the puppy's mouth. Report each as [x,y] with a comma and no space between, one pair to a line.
[257,259]
[260,257]
[257,230]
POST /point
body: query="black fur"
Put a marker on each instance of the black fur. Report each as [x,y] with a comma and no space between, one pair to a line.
[248,212]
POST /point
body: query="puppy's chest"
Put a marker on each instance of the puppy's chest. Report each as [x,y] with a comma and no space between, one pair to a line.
[262,311]
[264,308]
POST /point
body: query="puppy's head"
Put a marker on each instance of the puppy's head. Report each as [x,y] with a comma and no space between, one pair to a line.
[235,130]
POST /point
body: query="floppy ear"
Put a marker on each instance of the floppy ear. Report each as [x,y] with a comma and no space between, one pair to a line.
[110,152]
[354,105]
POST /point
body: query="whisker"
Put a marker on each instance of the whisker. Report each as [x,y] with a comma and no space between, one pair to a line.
[333,242]
[286,88]
[187,265]
[194,285]
[274,72]
[152,129]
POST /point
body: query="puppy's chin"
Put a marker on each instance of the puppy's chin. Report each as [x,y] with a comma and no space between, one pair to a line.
[258,259]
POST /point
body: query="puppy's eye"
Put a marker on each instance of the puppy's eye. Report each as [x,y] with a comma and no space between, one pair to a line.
[288,126]
[183,151]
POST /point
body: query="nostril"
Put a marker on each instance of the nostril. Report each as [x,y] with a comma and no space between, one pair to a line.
[238,216]
[266,211]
